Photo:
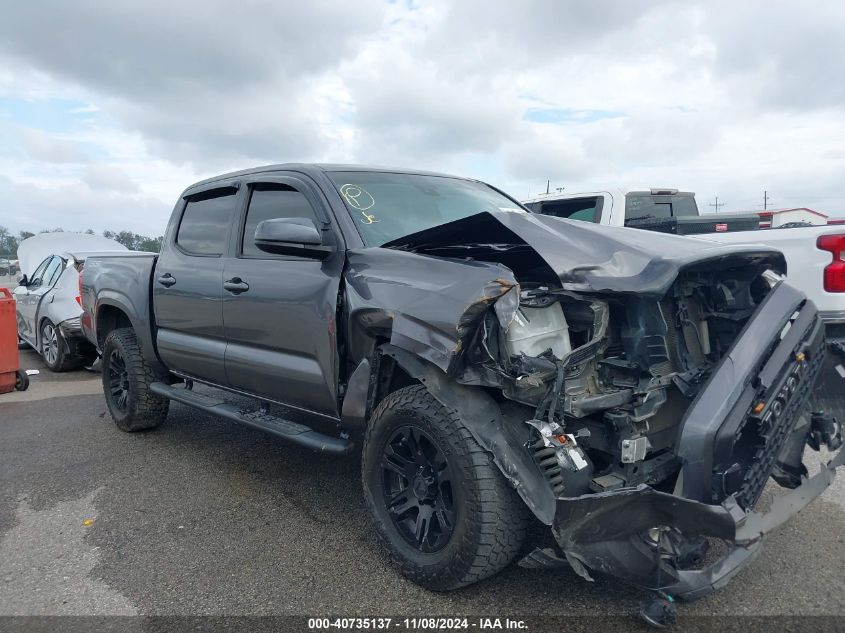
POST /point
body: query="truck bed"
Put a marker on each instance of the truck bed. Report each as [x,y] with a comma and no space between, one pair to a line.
[121,281]
[697,225]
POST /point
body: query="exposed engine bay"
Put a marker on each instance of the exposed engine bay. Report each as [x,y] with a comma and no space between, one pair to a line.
[609,378]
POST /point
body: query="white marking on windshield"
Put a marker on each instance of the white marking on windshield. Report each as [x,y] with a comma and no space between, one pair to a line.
[357,197]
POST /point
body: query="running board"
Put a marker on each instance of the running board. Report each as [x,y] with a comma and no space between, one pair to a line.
[291,431]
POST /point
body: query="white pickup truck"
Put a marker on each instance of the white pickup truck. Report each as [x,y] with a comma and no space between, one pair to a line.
[814,254]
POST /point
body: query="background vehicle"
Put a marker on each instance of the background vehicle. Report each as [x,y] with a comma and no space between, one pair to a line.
[49,310]
[633,394]
[812,252]
[47,296]
[8,267]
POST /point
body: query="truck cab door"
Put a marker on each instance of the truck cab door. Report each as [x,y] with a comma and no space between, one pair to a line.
[188,284]
[279,311]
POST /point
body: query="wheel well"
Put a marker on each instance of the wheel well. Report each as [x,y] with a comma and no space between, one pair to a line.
[390,377]
[110,318]
[38,329]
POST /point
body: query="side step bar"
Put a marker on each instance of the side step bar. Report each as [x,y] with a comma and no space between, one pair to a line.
[291,431]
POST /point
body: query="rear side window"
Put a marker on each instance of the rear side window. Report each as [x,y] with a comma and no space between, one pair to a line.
[47,274]
[54,269]
[268,201]
[205,223]
[38,276]
[585,209]
[640,206]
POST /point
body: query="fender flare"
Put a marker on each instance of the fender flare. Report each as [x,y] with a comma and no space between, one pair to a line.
[142,328]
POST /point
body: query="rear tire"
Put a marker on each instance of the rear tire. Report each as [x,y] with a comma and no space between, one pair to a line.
[126,384]
[484,518]
[58,353]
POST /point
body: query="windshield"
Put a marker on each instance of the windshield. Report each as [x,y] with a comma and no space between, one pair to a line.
[387,206]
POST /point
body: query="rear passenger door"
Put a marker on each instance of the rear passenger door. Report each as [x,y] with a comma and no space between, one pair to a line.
[188,284]
[28,298]
[281,330]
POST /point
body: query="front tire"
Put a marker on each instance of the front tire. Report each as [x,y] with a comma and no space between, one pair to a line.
[126,384]
[446,514]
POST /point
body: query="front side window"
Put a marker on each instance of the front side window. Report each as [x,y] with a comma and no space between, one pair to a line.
[268,201]
[205,223]
[386,206]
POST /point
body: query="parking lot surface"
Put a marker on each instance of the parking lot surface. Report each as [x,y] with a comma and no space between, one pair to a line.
[202,516]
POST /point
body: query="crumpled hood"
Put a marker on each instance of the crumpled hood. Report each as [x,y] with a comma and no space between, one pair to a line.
[584,256]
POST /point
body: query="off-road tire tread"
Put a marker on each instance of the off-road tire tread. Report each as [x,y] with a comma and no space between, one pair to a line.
[146,409]
[497,518]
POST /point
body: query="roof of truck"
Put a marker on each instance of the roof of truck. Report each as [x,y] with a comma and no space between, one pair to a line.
[311,168]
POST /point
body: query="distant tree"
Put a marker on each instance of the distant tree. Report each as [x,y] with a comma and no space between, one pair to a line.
[89,231]
[25,235]
[127,238]
[8,244]
[108,234]
[151,244]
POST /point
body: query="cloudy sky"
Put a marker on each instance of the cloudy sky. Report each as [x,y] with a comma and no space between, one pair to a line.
[109,109]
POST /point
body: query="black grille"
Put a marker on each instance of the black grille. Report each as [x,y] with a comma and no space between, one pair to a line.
[759,439]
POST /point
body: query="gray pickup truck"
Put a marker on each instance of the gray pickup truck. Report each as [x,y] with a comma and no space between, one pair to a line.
[495,368]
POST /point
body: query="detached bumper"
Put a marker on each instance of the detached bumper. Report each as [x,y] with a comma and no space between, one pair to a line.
[610,533]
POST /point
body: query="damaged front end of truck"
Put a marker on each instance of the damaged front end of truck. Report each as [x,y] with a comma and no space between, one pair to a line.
[638,390]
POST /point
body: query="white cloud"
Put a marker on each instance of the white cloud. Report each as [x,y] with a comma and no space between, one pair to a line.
[722,99]
[109,178]
[51,149]
[75,206]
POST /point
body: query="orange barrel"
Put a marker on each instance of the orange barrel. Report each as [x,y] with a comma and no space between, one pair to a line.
[11,376]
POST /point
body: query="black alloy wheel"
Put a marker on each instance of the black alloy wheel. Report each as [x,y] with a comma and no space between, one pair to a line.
[127,380]
[118,381]
[417,489]
[443,510]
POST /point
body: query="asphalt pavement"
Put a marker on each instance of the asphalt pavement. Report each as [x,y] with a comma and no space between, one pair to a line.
[205,517]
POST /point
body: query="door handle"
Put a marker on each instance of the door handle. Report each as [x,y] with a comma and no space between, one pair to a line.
[167,280]
[235,285]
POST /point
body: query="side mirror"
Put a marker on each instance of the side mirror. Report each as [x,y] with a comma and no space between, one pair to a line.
[23,281]
[291,236]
